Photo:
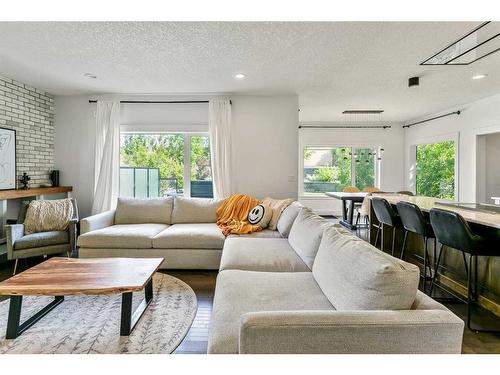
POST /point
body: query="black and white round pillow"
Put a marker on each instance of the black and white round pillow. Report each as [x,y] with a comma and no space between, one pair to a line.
[260,215]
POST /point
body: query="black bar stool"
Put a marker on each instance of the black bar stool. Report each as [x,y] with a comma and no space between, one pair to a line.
[453,231]
[414,221]
[386,216]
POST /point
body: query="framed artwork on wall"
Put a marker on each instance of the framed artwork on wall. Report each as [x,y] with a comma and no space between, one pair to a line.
[7,159]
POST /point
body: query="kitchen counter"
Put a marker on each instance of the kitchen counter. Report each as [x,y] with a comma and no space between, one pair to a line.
[426,203]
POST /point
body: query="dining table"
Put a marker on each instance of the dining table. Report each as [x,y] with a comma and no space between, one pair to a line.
[348,211]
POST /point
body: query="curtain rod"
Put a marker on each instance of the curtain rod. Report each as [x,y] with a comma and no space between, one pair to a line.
[344,126]
[432,118]
[160,102]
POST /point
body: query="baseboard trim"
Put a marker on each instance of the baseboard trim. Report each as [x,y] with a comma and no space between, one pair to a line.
[460,289]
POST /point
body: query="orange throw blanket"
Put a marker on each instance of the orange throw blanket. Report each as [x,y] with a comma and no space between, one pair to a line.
[233,213]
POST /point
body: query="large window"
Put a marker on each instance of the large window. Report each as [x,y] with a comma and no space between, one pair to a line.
[334,168]
[435,164]
[165,164]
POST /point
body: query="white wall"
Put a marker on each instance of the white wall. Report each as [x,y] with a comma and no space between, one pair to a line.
[74,147]
[151,117]
[265,140]
[265,147]
[492,178]
[391,165]
[476,118]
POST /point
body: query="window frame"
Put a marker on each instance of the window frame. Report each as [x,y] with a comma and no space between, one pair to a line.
[302,146]
[412,159]
[187,149]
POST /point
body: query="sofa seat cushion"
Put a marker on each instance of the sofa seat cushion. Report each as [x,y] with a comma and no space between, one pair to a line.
[261,254]
[190,236]
[40,239]
[241,292]
[265,233]
[355,275]
[127,236]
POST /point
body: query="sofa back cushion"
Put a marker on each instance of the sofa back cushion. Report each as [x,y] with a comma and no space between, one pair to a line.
[354,275]
[305,235]
[144,210]
[195,210]
[277,205]
[287,218]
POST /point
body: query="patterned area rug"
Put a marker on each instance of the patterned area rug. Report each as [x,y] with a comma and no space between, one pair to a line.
[91,324]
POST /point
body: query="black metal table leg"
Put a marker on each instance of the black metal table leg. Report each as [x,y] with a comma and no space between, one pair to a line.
[14,317]
[344,210]
[14,329]
[129,319]
[348,214]
[351,212]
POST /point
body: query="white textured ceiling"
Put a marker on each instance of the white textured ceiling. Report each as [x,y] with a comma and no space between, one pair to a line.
[331,66]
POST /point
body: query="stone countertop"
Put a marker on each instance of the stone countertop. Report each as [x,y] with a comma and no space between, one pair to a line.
[426,203]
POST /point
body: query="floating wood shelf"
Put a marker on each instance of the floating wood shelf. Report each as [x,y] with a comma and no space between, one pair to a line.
[20,193]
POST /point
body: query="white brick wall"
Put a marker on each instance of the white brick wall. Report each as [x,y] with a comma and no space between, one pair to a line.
[31,113]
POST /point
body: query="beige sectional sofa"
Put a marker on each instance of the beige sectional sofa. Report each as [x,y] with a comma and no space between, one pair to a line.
[323,290]
[308,287]
[181,230]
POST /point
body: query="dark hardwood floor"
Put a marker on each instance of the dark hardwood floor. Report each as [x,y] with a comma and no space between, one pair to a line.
[203,284]
[473,342]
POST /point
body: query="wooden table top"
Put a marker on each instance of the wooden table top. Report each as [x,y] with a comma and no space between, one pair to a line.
[70,276]
[32,192]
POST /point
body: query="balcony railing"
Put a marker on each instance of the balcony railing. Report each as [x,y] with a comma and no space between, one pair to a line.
[139,182]
[146,183]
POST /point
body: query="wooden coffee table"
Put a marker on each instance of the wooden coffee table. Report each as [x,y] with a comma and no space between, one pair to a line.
[61,277]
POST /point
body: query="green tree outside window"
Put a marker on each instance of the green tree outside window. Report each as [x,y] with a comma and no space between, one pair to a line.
[436,170]
[166,152]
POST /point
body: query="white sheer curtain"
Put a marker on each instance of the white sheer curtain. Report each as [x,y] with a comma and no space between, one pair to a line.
[219,126]
[106,156]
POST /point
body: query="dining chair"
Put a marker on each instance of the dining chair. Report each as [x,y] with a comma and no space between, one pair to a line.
[414,221]
[406,192]
[371,189]
[386,215]
[454,232]
[350,189]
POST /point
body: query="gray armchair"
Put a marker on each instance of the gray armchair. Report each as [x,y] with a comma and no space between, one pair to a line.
[21,246]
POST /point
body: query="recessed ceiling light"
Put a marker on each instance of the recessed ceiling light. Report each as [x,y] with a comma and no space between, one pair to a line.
[240,76]
[480,76]
[90,75]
